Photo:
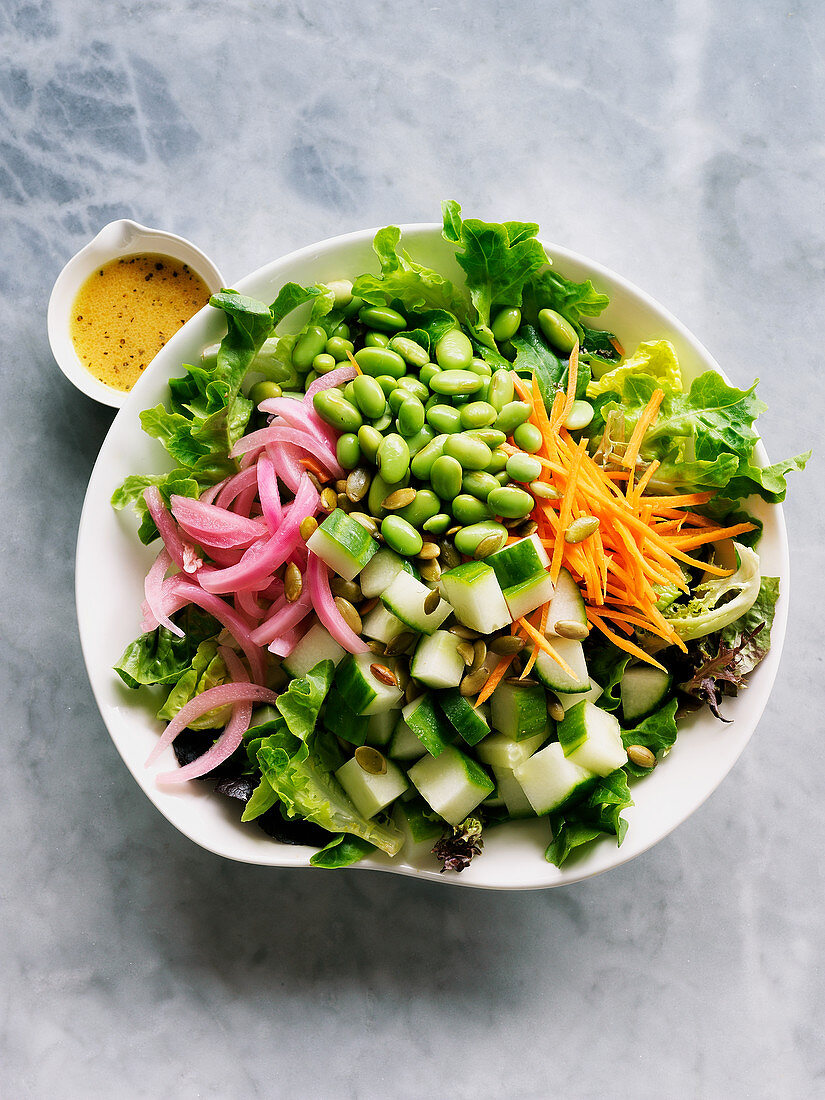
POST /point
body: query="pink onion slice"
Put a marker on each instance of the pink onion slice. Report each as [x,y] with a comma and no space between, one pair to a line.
[208,495]
[236,484]
[208,523]
[153,589]
[282,433]
[338,377]
[283,646]
[301,414]
[317,577]
[268,493]
[285,615]
[182,553]
[287,461]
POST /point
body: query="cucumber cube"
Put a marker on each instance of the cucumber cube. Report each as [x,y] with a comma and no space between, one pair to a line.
[642,690]
[593,695]
[420,832]
[553,676]
[316,645]
[405,598]
[404,745]
[453,784]
[425,721]
[371,793]
[380,727]
[523,598]
[343,544]
[361,689]
[519,562]
[381,570]
[512,794]
[382,625]
[476,596]
[502,751]
[568,603]
[592,738]
[464,717]
[437,662]
[551,781]
[519,710]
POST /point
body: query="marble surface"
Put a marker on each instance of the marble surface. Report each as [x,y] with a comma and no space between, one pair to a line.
[679,142]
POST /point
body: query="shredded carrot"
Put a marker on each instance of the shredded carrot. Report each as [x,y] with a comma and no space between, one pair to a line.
[622,643]
[543,644]
[691,541]
[316,468]
[494,679]
[542,626]
[649,414]
[354,361]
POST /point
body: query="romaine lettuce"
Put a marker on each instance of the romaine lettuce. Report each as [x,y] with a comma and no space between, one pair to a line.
[206,671]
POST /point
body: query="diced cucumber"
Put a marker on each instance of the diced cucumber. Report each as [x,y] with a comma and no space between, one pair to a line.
[437,662]
[381,570]
[502,751]
[420,832]
[371,793]
[592,738]
[461,713]
[476,596]
[512,794]
[519,710]
[425,720]
[518,562]
[551,781]
[452,784]
[316,645]
[381,726]
[382,625]
[361,690]
[592,696]
[642,690]
[405,598]
[523,598]
[343,544]
[404,745]
[567,604]
[553,676]
[341,719]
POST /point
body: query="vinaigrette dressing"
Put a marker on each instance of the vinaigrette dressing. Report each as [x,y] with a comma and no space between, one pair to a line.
[127,310]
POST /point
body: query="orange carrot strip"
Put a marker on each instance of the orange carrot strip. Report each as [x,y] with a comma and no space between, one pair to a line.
[691,541]
[543,644]
[316,468]
[622,643]
[649,414]
[493,680]
[566,510]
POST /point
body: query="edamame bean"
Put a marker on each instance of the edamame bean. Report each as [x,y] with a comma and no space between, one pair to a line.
[341,291]
[491,436]
[456,382]
[468,538]
[323,363]
[410,351]
[501,388]
[377,361]
[263,391]
[310,378]
[498,461]
[411,417]
[422,463]
[444,418]
[349,392]
[338,348]
[511,502]
[383,422]
[479,484]
[397,398]
[420,440]
[348,451]
[513,414]
[424,507]
[506,323]
[503,478]
[393,458]
[528,437]
[413,386]
[439,524]
[379,491]
[579,416]
[352,306]
[383,318]
[471,453]
[558,332]
[387,383]
[341,330]
[428,372]
[369,397]
[376,340]
[481,368]
[445,477]
[431,401]
[336,411]
[454,351]
[478,414]
[401,536]
[523,467]
[369,440]
[468,509]
[306,347]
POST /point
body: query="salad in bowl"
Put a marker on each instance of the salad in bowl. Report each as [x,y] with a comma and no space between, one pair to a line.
[434,554]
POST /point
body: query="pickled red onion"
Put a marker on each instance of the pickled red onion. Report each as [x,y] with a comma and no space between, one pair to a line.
[336,377]
[317,578]
[153,590]
[268,493]
[182,553]
[208,523]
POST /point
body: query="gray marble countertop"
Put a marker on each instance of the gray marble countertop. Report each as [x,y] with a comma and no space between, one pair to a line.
[679,142]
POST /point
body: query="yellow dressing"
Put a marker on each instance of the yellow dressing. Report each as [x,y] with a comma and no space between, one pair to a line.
[127,310]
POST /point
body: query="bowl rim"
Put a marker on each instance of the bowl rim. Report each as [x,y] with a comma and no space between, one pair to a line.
[618,855]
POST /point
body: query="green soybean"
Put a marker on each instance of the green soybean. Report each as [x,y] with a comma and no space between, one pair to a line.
[410,351]
[378,493]
[383,422]
[377,361]
[352,306]
[468,509]
[579,416]
[503,478]
[349,392]
[420,440]
[413,386]
[411,417]
[511,415]
[491,436]
[439,524]
[348,450]
[383,318]
[393,458]
[506,323]
[467,540]
[428,372]
[511,502]
[424,507]
[444,418]
[376,340]
[481,368]
[501,388]
[445,477]
[454,351]
[558,332]
[422,463]
[310,378]
[341,291]
[323,363]
[397,398]
[456,382]
[498,461]
[341,330]
[336,411]
[401,536]
[337,347]
[369,440]
[387,383]
[478,414]
[471,453]
[523,467]
[263,391]
[479,484]
[306,347]
[528,437]
[369,397]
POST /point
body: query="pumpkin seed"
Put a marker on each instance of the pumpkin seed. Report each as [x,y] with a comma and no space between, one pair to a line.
[453,530]
[555,709]
[581,529]
[358,483]
[488,545]
[371,760]
[527,529]
[479,653]
[466,652]
[506,644]
[431,601]
[474,681]
[449,556]
[463,631]
[367,522]
[569,628]
[429,551]
[412,690]
[544,491]
[399,499]
[430,571]
[349,590]
[641,756]
[341,485]
[293,582]
[367,606]
[314,480]
[329,499]
[308,525]
[384,674]
[376,647]
[400,643]
[348,614]
[344,502]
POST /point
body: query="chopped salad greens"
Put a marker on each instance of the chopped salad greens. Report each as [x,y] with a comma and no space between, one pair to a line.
[444,558]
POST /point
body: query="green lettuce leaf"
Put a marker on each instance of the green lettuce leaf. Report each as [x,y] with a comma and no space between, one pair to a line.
[206,671]
[414,287]
[600,814]
[300,703]
[657,732]
[718,601]
[263,798]
[534,357]
[161,657]
[762,610]
[342,851]
[606,664]
[655,358]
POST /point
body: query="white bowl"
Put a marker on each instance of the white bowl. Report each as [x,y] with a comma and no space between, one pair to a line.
[111,564]
[119,238]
